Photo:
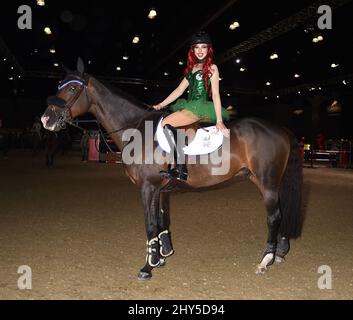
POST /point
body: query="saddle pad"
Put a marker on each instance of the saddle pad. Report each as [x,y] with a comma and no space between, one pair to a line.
[206,140]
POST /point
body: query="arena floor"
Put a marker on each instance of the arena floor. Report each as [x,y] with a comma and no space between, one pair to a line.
[80,228]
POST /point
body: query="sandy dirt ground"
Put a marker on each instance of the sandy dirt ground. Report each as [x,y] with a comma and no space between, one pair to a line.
[80,228]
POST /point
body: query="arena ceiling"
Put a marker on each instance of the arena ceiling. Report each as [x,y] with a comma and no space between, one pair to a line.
[102,34]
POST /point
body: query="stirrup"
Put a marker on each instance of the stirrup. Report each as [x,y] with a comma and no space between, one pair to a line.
[174,174]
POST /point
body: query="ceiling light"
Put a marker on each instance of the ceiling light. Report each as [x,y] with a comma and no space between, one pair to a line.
[56,64]
[145,88]
[334,65]
[344,82]
[220,79]
[234,25]
[4,59]
[166,73]
[318,39]
[268,83]
[52,50]
[297,75]
[118,68]
[136,39]
[277,97]
[10,78]
[228,94]
[152,14]
[47,30]
[242,69]
[274,56]
[237,61]
[125,57]
[181,63]
[40,3]
[11,68]
[266,98]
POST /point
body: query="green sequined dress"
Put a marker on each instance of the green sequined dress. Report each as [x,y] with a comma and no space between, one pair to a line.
[198,102]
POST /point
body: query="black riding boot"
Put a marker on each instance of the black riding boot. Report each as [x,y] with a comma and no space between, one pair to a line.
[179,171]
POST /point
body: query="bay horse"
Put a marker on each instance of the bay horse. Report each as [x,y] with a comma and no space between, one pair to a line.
[267,154]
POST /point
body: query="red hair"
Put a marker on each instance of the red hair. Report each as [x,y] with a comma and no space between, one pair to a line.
[206,68]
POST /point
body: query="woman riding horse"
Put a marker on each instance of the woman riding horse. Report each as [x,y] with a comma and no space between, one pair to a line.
[202,78]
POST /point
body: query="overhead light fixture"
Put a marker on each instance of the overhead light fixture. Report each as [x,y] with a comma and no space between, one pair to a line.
[166,73]
[274,56]
[125,57]
[242,69]
[56,64]
[52,50]
[318,39]
[220,79]
[268,83]
[345,82]
[145,88]
[237,61]
[10,78]
[118,68]
[152,14]
[297,75]
[277,97]
[136,39]
[234,25]
[334,65]
[181,63]
[3,59]
[47,30]
[41,3]
[228,94]
[266,98]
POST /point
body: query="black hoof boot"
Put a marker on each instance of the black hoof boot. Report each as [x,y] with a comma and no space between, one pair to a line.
[165,244]
[282,248]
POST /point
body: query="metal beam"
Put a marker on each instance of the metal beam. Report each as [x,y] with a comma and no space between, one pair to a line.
[284,26]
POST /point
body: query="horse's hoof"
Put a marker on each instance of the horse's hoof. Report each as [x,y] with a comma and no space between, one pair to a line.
[279,260]
[260,269]
[143,276]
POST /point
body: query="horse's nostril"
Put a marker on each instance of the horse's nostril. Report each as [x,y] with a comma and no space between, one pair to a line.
[44,120]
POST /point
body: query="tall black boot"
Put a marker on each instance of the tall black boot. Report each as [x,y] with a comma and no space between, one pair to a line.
[180,170]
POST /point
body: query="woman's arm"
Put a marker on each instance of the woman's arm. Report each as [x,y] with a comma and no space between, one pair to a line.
[217,99]
[174,95]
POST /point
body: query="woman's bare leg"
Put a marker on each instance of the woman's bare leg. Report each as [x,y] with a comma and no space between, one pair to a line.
[180,118]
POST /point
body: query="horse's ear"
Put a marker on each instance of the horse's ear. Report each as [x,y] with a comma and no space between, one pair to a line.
[80,66]
[66,69]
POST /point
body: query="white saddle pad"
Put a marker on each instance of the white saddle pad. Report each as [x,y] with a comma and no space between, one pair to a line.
[206,140]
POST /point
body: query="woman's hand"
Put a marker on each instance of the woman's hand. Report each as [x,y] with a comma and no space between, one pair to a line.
[157,106]
[220,126]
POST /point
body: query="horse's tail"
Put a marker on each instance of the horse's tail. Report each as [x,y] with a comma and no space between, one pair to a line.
[290,193]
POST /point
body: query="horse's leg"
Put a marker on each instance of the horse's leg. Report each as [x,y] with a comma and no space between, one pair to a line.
[150,198]
[271,199]
[166,247]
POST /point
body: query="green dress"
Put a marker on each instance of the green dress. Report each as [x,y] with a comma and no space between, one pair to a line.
[198,102]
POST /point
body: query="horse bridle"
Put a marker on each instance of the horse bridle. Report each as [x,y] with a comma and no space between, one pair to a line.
[66,115]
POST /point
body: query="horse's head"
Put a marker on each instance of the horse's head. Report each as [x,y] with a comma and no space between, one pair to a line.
[70,101]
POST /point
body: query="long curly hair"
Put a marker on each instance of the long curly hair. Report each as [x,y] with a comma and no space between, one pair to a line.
[206,68]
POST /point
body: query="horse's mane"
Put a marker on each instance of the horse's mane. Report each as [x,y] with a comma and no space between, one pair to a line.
[126,96]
